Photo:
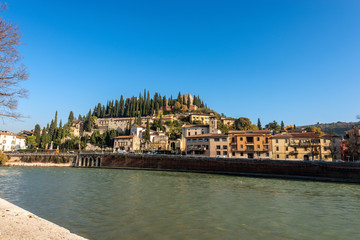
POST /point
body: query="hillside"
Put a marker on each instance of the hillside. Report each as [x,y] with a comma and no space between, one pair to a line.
[338,128]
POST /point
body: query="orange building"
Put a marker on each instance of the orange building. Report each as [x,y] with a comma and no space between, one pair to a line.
[250,144]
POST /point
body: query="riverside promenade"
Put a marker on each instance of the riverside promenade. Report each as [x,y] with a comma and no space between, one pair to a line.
[17,223]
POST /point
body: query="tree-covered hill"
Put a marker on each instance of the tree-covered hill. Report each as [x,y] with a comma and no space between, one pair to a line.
[337,128]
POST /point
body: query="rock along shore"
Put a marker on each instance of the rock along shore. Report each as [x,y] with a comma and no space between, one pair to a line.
[17,223]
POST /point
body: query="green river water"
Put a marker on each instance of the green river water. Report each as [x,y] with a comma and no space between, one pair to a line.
[132,204]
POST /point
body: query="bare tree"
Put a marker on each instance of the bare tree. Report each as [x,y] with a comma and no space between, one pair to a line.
[12,72]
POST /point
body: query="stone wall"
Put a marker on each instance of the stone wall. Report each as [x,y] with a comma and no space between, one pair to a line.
[349,172]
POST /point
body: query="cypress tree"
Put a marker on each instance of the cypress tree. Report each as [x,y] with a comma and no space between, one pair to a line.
[180,99]
[157,108]
[37,134]
[282,125]
[188,101]
[71,118]
[122,107]
[259,124]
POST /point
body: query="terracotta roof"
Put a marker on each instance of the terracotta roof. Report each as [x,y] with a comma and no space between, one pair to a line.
[195,125]
[124,137]
[7,133]
[207,135]
[201,114]
[139,126]
[249,132]
[297,135]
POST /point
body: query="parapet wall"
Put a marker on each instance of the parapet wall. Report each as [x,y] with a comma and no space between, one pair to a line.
[349,172]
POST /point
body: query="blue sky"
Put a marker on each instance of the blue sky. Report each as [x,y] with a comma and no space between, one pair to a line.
[296,61]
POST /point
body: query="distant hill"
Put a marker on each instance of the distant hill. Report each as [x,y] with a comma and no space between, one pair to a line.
[337,128]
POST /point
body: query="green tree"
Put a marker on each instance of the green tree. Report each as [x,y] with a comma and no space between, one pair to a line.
[146,135]
[282,126]
[37,134]
[273,126]
[243,123]
[71,118]
[259,124]
[31,140]
[177,106]
[45,139]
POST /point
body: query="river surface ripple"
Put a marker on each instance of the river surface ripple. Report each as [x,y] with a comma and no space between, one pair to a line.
[132,204]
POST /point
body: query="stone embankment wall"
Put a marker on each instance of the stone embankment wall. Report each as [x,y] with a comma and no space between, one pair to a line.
[349,172]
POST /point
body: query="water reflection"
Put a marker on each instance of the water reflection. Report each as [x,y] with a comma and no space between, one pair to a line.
[114,204]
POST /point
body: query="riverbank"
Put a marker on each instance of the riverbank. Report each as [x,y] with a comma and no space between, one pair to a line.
[36,164]
[17,223]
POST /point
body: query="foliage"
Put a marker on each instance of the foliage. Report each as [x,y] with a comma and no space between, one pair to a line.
[314,129]
[11,71]
[3,158]
[31,140]
[243,124]
[143,105]
[273,126]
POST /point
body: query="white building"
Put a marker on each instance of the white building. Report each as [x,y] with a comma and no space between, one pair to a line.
[11,142]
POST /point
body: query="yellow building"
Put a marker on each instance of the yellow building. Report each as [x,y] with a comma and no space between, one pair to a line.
[305,146]
[200,118]
[250,144]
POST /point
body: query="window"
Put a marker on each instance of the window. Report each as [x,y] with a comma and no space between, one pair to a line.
[207,147]
[232,139]
[241,146]
[224,152]
[287,156]
[217,139]
[267,154]
[218,153]
[195,133]
[277,148]
[259,154]
[224,146]
[200,140]
[202,131]
[189,140]
[257,139]
[188,133]
[277,156]
[258,146]
[206,140]
[277,140]
[241,139]
[224,139]
[287,149]
[217,146]
[194,140]
[233,153]
[241,154]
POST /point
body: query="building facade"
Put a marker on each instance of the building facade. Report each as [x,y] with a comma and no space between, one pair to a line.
[208,145]
[11,142]
[127,143]
[250,144]
[305,146]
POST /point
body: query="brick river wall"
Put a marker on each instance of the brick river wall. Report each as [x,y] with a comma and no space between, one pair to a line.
[349,172]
